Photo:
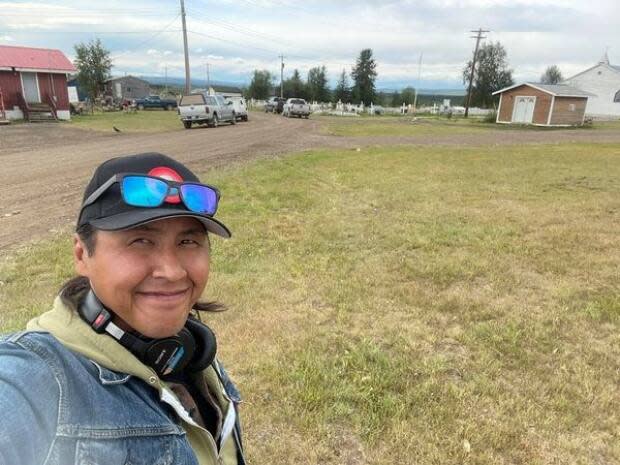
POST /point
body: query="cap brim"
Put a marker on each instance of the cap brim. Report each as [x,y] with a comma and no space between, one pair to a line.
[135,218]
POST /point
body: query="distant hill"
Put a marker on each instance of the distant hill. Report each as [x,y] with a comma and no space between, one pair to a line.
[444,92]
[180,82]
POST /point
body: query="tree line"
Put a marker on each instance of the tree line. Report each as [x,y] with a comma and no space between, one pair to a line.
[492,73]
[361,87]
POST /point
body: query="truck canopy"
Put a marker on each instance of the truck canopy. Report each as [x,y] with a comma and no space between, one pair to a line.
[192,99]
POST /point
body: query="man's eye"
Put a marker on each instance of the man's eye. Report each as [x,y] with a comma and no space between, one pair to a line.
[140,241]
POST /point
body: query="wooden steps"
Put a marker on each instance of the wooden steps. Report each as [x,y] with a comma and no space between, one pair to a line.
[41,112]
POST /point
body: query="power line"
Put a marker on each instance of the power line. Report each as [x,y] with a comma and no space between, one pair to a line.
[150,38]
[16,32]
[75,14]
[270,53]
[235,28]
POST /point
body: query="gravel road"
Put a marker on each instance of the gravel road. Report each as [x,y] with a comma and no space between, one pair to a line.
[45,166]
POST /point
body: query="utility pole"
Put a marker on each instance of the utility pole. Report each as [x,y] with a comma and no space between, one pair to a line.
[478,36]
[208,78]
[188,84]
[166,79]
[415,98]
[281,76]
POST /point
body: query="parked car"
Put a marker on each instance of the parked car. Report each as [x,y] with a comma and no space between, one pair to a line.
[239,107]
[205,109]
[271,106]
[155,101]
[296,107]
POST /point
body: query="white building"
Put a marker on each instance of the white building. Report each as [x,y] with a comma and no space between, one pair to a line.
[603,81]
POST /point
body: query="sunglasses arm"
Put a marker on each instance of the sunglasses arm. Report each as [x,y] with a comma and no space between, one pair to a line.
[92,198]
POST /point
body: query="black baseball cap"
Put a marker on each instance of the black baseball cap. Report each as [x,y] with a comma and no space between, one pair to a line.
[110,213]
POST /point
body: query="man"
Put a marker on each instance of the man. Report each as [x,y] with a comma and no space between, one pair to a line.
[121,370]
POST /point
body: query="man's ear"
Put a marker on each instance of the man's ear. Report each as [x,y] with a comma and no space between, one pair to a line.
[80,256]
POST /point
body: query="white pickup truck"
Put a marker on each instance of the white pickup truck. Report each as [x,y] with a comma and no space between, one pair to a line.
[205,109]
[296,107]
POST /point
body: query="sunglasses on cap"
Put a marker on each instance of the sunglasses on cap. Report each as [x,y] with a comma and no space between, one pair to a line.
[142,190]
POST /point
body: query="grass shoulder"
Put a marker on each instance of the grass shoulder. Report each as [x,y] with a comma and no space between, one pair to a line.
[146,121]
[407,125]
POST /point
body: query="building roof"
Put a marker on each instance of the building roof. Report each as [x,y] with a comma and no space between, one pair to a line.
[35,59]
[557,90]
[607,65]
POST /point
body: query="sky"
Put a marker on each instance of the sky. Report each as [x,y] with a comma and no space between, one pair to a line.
[419,43]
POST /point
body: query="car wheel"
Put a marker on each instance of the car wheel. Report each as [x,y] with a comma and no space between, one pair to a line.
[245,118]
[187,124]
[215,123]
[140,107]
[234,119]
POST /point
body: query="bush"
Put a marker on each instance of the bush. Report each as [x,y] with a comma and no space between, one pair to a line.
[490,117]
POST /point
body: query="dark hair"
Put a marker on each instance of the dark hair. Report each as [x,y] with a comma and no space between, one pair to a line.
[74,289]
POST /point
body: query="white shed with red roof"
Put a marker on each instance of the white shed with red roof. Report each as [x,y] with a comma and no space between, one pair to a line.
[33,83]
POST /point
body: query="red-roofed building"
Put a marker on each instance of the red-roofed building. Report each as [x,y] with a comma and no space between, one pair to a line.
[33,82]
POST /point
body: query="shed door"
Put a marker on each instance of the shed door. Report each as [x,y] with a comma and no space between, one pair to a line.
[31,88]
[524,109]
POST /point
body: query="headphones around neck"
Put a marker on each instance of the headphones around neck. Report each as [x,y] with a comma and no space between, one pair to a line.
[193,348]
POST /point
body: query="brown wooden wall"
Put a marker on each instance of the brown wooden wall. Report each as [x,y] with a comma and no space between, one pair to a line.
[49,85]
[11,88]
[562,113]
[541,108]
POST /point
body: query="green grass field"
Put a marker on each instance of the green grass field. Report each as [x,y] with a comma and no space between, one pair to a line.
[140,121]
[434,126]
[410,305]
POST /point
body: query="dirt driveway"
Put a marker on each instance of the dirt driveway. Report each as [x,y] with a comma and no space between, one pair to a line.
[45,166]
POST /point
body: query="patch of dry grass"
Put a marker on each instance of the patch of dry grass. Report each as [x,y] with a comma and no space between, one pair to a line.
[412,305]
[434,126]
[140,121]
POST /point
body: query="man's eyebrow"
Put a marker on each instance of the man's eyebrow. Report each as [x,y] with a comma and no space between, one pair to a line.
[194,230]
[151,228]
[143,227]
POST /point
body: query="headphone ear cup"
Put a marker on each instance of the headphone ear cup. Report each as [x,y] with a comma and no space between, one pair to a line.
[206,344]
[170,355]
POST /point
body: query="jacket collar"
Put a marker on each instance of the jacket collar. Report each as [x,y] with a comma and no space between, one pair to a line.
[108,355]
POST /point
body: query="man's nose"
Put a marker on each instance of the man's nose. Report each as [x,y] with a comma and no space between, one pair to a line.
[168,265]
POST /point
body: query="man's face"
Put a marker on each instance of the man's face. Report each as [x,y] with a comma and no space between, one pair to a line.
[151,275]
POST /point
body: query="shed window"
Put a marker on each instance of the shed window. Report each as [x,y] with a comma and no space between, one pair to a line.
[617,97]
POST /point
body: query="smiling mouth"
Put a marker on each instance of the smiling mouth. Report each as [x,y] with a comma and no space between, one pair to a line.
[164,295]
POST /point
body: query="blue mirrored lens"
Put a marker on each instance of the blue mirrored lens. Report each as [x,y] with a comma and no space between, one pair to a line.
[141,191]
[199,199]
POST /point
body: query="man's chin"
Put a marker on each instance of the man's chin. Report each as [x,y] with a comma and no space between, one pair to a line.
[162,331]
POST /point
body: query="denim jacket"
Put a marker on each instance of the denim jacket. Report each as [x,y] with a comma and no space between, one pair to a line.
[60,407]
